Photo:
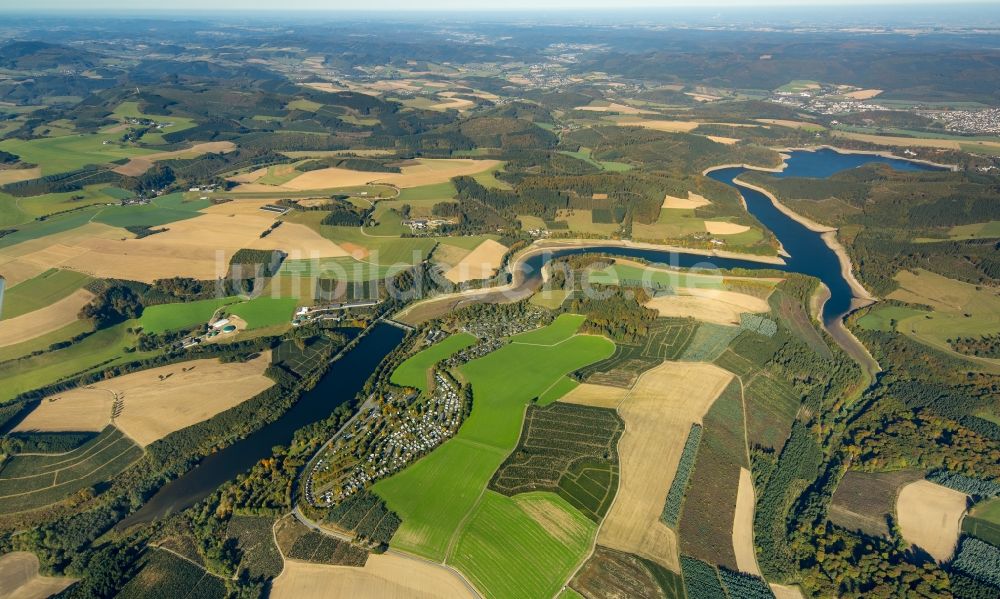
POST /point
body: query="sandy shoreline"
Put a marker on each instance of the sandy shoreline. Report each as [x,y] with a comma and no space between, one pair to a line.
[558,244]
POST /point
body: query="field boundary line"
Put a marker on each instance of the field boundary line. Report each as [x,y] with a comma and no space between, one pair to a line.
[53,486]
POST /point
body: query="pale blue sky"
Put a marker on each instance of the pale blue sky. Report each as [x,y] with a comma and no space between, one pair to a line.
[413,5]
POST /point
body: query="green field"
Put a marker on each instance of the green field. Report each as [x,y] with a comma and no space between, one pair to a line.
[960,309]
[104,348]
[50,226]
[413,372]
[40,291]
[434,495]
[619,274]
[171,317]
[885,318]
[154,136]
[509,554]
[34,481]
[161,211]
[43,342]
[984,521]
[20,210]
[557,390]
[71,152]
[562,328]
[584,154]
[489,179]
[265,311]
[438,191]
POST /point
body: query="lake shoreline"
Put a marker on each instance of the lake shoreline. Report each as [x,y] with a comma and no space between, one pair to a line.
[829,235]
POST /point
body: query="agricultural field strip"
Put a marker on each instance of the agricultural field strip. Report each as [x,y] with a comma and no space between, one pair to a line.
[89,448]
[55,476]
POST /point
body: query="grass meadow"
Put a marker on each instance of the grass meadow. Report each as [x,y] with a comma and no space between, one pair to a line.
[171,317]
[413,371]
[434,495]
[522,546]
[71,152]
[40,291]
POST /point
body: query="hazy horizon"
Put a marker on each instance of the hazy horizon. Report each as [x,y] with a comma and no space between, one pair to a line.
[462,6]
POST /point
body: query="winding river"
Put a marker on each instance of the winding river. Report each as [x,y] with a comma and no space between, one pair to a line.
[808,254]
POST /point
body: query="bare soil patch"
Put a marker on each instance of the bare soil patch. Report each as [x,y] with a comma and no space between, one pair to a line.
[13,175]
[19,578]
[385,576]
[615,107]
[480,263]
[423,172]
[661,125]
[717,227]
[199,247]
[658,414]
[79,410]
[709,305]
[930,517]
[138,166]
[746,558]
[785,592]
[159,401]
[863,94]
[448,255]
[692,201]
[599,396]
[48,319]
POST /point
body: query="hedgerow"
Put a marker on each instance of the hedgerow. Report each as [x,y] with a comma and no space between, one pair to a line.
[675,497]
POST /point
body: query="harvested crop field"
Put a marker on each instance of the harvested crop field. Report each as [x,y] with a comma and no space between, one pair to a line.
[86,409]
[718,227]
[709,305]
[199,247]
[746,558]
[28,259]
[480,263]
[422,172]
[13,175]
[39,322]
[692,201]
[598,396]
[386,576]
[863,94]
[658,414]
[615,107]
[930,517]
[19,578]
[137,166]
[661,125]
[154,403]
